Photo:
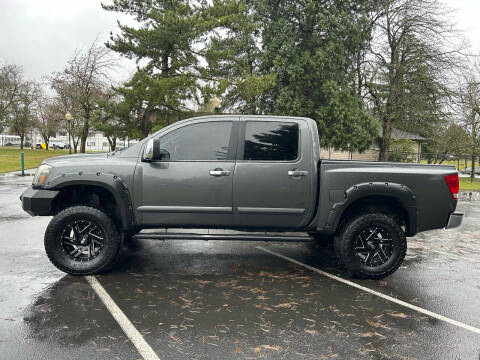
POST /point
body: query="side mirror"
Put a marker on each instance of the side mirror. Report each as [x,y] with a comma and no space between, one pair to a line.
[152,151]
[164,155]
[156,149]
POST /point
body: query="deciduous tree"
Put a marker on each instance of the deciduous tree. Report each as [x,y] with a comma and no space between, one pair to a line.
[22,113]
[469,96]
[406,71]
[67,99]
[83,82]
[448,141]
[48,118]
[11,80]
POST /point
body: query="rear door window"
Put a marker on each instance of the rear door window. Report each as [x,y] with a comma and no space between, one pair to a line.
[271,141]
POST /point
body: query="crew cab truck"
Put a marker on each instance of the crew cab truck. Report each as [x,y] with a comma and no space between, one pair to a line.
[249,173]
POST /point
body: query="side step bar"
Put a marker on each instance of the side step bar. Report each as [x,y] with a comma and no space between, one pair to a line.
[239,237]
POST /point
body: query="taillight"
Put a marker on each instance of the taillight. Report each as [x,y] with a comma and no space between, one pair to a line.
[452,183]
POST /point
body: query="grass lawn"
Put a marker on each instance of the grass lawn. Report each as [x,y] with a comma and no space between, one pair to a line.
[10,158]
[465,184]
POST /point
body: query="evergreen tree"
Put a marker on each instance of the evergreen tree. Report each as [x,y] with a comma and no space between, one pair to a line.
[168,45]
[234,58]
[267,57]
[309,47]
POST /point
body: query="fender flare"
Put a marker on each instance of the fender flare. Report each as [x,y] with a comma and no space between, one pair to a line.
[112,183]
[399,192]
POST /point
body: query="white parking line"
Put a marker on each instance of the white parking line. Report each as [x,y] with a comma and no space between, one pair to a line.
[376,293]
[133,334]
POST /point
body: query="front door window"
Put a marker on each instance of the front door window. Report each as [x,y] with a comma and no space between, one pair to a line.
[207,141]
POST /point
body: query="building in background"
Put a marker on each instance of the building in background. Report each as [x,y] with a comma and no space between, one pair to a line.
[95,142]
[413,150]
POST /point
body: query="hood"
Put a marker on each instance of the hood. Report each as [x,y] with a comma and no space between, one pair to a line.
[69,159]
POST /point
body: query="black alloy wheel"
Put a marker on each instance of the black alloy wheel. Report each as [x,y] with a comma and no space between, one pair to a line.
[82,240]
[374,246]
[371,245]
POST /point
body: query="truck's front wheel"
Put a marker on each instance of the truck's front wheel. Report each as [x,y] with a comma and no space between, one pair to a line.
[371,245]
[82,240]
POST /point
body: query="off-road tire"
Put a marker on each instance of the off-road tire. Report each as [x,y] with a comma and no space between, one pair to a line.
[344,245]
[111,243]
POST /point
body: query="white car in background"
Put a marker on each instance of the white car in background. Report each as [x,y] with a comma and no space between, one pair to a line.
[57,145]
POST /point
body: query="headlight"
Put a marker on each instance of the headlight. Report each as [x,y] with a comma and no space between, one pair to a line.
[41,175]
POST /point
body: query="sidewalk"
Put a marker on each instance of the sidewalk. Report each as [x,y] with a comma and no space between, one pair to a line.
[27,172]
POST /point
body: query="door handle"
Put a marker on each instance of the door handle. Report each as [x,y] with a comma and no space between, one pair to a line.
[297,173]
[219,172]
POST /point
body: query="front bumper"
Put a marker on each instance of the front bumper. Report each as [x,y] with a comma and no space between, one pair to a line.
[454,220]
[37,201]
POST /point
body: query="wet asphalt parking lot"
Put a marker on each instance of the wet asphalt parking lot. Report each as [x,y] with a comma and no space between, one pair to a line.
[237,300]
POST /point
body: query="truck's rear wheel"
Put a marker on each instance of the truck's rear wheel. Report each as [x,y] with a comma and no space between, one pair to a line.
[82,240]
[371,245]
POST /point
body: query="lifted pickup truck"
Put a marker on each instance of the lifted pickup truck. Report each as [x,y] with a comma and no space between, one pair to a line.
[249,173]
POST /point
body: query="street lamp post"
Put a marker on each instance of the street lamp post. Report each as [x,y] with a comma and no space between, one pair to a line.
[69,118]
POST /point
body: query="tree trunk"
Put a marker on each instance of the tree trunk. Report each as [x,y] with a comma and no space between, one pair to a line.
[21,142]
[145,125]
[83,141]
[112,142]
[472,173]
[46,139]
[385,139]
[359,74]
[83,137]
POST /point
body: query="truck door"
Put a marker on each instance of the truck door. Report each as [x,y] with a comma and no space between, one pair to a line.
[274,174]
[192,185]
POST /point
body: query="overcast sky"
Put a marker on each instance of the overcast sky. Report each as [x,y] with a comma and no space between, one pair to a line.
[41,35]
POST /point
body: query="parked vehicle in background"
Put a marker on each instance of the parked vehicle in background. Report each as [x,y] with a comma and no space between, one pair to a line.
[9,140]
[57,145]
[251,173]
[468,171]
[51,145]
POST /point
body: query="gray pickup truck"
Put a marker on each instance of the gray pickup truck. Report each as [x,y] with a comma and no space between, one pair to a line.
[248,173]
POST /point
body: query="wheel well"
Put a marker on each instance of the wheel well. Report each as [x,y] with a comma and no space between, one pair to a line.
[90,195]
[382,204]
